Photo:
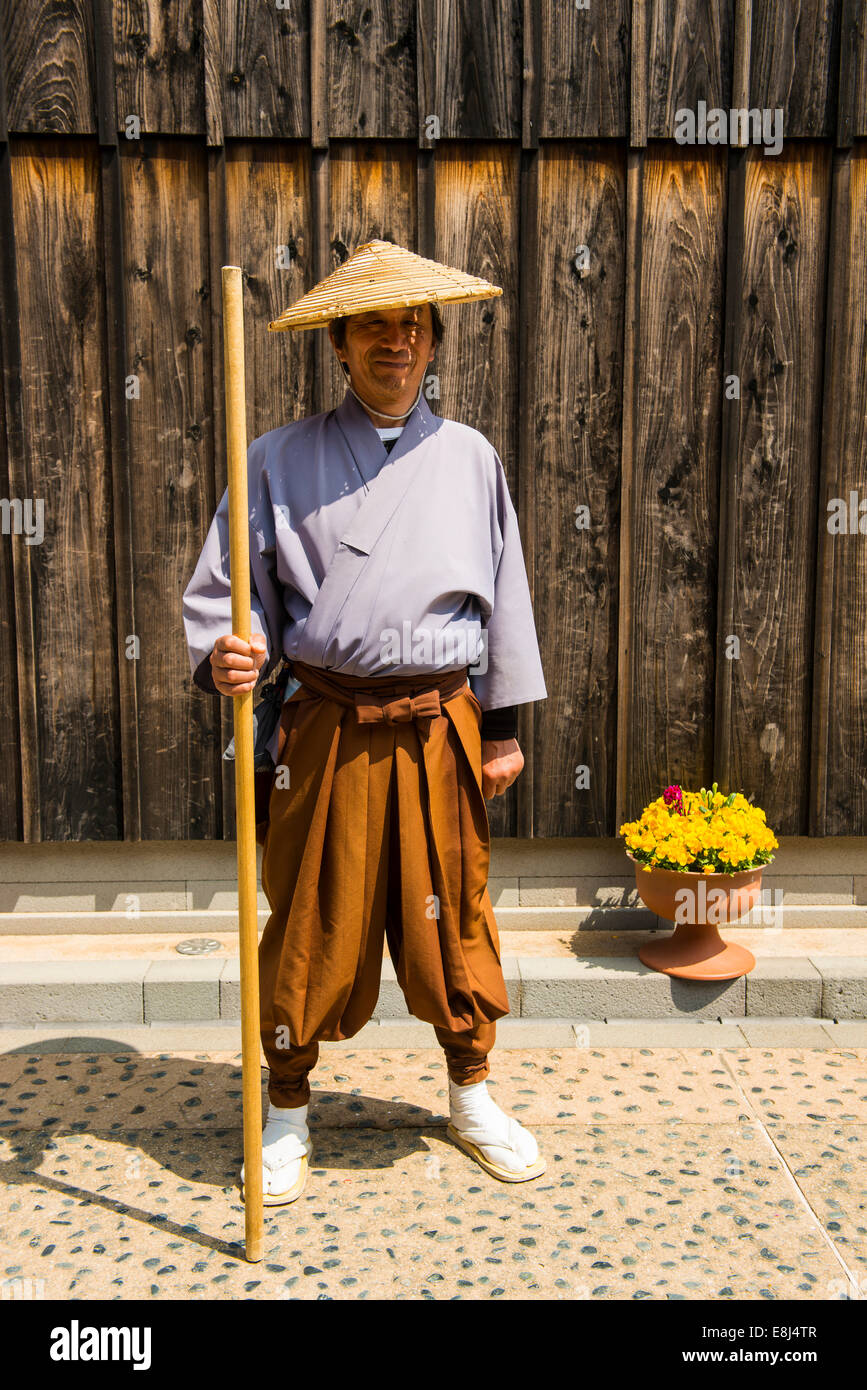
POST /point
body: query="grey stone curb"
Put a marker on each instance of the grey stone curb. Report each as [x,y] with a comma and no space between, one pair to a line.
[540,988]
[551,1035]
[203,921]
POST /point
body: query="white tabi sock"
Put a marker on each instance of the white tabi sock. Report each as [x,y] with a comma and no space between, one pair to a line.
[471,1105]
[280,1121]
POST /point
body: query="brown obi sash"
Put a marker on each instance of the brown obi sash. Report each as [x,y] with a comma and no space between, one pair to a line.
[382,699]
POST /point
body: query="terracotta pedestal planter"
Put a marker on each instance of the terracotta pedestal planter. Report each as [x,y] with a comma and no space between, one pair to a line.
[697,904]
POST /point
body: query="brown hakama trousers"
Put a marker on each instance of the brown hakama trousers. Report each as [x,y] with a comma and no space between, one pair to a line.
[382,832]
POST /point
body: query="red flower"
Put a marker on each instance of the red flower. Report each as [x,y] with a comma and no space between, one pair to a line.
[673,798]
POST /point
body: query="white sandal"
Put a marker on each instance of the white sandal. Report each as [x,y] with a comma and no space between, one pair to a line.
[292,1152]
[489,1150]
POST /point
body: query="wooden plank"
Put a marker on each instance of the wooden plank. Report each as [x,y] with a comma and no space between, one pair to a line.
[852,101]
[266,69]
[158,65]
[531,91]
[673,531]
[270,233]
[69,669]
[477,68]
[426,200]
[634,222]
[838,801]
[477,225]
[575,396]
[372,195]
[585,66]
[214,86]
[168,347]
[772,557]
[529,329]
[730,450]
[688,59]
[218,256]
[11,432]
[425,73]
[371,90]
[639,70]
[320,208]
[477,221]
[318,75]
[120,550]
[50,66]
[10,755]
[794,63]
[579,397]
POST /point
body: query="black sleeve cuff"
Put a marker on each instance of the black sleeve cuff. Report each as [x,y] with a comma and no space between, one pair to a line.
[203,677]
[500,723]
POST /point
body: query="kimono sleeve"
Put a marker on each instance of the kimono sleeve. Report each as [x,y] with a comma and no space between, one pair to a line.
[207,599]
[510,669]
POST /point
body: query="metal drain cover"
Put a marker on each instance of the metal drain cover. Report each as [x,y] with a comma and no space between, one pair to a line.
[197,946]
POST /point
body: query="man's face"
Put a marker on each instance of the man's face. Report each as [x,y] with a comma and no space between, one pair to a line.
[388,351]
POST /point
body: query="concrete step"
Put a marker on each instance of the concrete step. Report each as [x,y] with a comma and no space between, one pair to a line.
[214,921]
[594,976]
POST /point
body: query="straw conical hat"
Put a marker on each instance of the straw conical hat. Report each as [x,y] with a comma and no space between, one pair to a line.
[380,275]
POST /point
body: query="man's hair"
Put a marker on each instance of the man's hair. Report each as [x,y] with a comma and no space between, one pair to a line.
[338,326]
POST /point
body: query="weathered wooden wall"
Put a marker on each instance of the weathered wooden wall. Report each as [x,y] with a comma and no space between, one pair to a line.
[308,127]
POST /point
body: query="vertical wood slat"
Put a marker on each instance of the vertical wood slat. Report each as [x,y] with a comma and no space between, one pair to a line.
[528,328]
[120,467]
[639,76]
[852,81]
[67,662]
[477,225]
[157,68]
[625,612]
[265,69]
[685,52]
[584,58]
[528,317]
[372,190]
[18,570]
[673,538]
[371,70]
[213,66]
[10,753]
[222,772]
[571,409]
[477,68]
[50,66]
[531,90]
[266,203]
[120,462]
[794,47]
[730,439]
[168,349]
[730,450]
[320,196]
[318,76]
[425,71]
[780,369]
[838,780]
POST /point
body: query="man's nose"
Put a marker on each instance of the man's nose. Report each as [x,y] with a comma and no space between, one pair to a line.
[396,336]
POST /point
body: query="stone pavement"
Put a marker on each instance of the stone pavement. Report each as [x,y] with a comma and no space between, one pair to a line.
[719,1172]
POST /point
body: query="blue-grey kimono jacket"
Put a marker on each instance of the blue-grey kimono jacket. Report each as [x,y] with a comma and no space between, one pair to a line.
[375,563]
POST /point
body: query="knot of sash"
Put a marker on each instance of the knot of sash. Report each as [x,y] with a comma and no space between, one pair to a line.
[370,710]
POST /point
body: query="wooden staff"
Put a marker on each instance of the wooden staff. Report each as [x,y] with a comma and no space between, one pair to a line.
[242,710]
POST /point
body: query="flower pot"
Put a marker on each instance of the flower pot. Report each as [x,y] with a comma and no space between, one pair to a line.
[697,904]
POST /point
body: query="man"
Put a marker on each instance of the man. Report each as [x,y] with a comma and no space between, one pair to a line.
[386,565]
